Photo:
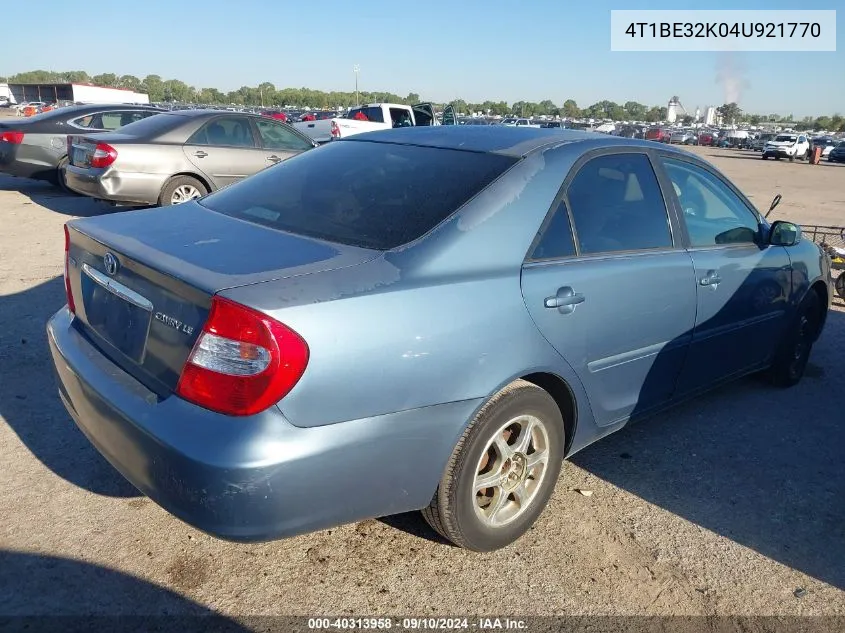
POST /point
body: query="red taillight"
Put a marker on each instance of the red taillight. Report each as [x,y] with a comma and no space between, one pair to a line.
[104,155]
[70,303]
[15,138]
[243,361]
[335,130]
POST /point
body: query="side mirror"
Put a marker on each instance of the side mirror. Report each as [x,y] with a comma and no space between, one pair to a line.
[784,234]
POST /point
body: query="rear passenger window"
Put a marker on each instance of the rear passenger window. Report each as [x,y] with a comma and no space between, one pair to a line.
[557,240]
[617,205]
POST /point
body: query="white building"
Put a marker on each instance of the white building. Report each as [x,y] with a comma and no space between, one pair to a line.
[710,116]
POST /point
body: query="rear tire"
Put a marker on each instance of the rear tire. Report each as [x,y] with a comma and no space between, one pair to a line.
[514,444]
[797,343]
[60,179]
[181,189]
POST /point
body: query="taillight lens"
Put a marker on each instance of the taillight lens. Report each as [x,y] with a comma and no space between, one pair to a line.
[68,292]
[243,361]
[104,155]
[15,138]
[335,130]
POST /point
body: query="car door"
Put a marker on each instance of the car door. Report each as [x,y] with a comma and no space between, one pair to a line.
[743,286]
[225,151]
[610,286]
[279,141]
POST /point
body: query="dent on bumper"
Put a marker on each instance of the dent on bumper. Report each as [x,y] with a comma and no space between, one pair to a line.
[256,478]
[116,186]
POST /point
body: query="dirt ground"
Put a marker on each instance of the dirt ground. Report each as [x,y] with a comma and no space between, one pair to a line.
[731,505]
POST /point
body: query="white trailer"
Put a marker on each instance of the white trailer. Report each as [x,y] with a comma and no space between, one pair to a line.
[83,93]
[73,93]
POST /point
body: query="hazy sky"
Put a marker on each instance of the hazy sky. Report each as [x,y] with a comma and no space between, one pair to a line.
[526,49]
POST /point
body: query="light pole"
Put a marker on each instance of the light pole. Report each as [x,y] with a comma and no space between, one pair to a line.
[356,69]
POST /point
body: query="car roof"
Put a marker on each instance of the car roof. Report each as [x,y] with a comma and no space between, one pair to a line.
[205,112]
[499,139]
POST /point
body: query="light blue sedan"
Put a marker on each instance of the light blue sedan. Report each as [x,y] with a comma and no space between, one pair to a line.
[423,318]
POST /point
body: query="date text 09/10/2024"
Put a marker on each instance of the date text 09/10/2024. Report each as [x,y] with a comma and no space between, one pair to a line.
[419,624]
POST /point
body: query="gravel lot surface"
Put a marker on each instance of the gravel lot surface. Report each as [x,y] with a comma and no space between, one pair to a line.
[726,506]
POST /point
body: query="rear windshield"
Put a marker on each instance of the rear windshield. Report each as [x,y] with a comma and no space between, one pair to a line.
[361,193]
[152,126]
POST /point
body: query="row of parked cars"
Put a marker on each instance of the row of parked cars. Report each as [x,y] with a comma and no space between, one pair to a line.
[143,155]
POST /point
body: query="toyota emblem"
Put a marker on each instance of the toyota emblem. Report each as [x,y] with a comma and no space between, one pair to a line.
[111,264]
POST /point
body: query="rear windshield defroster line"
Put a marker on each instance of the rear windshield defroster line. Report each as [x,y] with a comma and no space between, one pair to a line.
[360,193]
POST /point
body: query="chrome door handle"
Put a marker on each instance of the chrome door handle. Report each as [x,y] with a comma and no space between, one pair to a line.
[200,154]
[564,300]
[710,279]
[274,159]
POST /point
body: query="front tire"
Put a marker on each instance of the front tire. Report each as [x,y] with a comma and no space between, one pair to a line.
[502,471]
[181,189]
[795,347]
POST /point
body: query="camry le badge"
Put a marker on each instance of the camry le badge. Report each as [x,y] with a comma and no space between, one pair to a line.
[111,264]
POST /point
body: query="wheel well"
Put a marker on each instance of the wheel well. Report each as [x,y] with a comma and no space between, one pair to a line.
[820,288]
[557,388]
[204,182]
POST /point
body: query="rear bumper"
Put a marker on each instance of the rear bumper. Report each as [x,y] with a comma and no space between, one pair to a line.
[256,478]
[115,186]
[29,161]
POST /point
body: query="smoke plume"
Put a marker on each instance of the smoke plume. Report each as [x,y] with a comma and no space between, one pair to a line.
[730,74]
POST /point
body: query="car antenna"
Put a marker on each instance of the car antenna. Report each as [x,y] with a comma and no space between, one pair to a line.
[775,203]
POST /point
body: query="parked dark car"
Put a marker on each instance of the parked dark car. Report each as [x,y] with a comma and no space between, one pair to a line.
[420,318]
[837,154]
[36,147]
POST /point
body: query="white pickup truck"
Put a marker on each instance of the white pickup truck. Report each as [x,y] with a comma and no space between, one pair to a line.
[372,117]
[789,146]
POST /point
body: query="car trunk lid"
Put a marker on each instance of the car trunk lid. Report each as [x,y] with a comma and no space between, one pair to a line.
[142,281]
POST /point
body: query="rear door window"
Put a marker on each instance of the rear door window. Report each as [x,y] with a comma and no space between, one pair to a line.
[617,205]
[372,195]
[556,241]
[225,131]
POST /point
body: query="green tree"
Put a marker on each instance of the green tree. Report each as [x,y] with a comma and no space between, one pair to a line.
[570,109]
[154,87]
[128,82]
[755,119]
[412,99]
[460,106]
[636,111]
[688,120]
[548,107]
[77,77]
[618,113]
[730,112]
[107,80]
[655,114]
[823,123]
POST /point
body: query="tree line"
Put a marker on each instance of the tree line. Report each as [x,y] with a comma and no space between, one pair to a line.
[268,95]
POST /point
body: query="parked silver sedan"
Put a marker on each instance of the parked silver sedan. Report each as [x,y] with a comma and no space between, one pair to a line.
[178,156]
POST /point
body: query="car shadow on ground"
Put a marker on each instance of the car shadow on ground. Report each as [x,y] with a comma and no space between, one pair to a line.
[766,472]
[52,198]
[29,401]
[46,593]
